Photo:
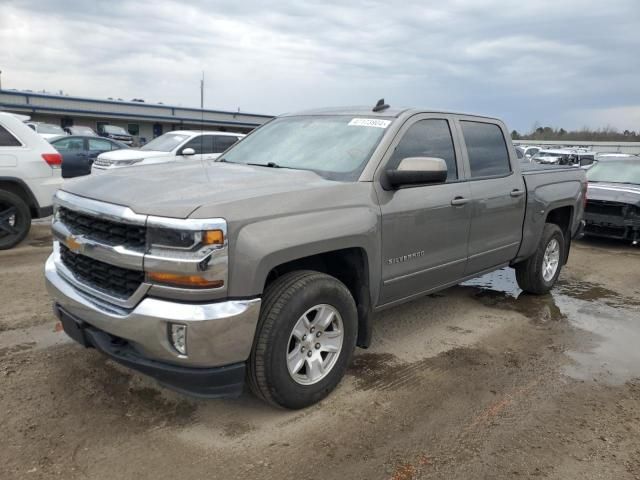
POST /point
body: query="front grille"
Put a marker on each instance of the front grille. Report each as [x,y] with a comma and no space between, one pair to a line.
[100,162]
[103,231]
[601,207]
[116,281]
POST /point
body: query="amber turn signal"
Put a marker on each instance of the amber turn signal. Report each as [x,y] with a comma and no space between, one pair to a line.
[213,237]
[193,281]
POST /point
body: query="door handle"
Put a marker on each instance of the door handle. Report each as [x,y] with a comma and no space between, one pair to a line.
[459,201]
[517,193]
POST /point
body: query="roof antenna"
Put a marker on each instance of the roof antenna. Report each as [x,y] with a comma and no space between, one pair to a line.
[380,106]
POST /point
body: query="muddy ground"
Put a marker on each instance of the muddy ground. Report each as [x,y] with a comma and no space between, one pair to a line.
[479,381]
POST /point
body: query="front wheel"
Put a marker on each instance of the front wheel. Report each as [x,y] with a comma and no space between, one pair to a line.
[15,220]
[539,273]
[305,338]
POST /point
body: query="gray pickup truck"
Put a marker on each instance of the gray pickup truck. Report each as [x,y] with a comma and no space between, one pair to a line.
[267,265]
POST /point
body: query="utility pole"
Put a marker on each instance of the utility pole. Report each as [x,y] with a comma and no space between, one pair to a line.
[201,92]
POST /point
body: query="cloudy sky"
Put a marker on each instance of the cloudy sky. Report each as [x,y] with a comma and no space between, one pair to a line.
[569,63]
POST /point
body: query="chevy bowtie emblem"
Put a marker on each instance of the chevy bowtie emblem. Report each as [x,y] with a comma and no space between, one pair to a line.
[73,244]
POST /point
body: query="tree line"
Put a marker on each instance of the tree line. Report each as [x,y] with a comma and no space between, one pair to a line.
[606,134]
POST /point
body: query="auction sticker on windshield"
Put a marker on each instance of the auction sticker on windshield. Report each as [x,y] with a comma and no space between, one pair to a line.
[369,122]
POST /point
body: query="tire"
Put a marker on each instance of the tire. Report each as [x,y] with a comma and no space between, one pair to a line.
[285,302]
[15,220]
[530,273]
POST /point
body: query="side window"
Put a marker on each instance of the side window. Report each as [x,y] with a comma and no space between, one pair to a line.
[99,145]
[201,144]
[519,153]
[8,140]
[221,143]
[487,149]
[428,138]
[69,145]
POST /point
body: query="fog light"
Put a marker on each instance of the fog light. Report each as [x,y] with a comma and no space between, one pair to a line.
[178,337]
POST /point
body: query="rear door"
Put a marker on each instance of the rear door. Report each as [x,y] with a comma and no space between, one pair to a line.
[497,194]
[425,227]
[203,146]
[75,158]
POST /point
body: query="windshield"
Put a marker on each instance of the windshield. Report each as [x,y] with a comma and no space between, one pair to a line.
[47,128]
[115,130]
[615,172]
[165,143]
[336,147]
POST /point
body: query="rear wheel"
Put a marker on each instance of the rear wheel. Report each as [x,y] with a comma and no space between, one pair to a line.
[15,220]
[305,338]
[539,272]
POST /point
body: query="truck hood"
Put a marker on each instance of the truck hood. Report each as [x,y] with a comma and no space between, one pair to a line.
[206,189]
[132,154]
[614,192]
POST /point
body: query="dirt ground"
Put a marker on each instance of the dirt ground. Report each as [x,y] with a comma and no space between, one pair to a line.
[479,381]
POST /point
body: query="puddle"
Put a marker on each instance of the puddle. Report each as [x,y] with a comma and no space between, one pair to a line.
[612,318]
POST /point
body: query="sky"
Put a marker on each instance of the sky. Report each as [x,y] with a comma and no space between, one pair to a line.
[562,63]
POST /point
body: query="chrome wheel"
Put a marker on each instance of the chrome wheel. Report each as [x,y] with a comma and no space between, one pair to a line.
[315,344]
[551,260]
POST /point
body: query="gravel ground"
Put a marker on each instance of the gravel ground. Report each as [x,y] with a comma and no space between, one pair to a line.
[479,381]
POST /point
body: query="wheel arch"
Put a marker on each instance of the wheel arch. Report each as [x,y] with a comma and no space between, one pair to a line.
[19,188]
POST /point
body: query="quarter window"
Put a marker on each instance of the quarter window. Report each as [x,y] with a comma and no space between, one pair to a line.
[8,140]
[487,149]
[428,138]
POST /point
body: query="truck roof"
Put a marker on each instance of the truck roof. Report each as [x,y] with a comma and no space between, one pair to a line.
[362,110]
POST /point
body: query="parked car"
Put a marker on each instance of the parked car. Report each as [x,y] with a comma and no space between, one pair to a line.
[80,130]
[270,261]
[613,206]
[174,146]
[46,130]
[528,151]
[29,176]
[116,133]
[79,152]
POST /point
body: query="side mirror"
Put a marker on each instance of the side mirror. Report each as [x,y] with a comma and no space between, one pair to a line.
[187,152]
[416,171]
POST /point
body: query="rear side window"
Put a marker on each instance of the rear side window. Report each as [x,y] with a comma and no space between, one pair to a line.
[487,149]
[221,143]
[201,144]
[427,138]
[69,144]
[99,145]
[7,139]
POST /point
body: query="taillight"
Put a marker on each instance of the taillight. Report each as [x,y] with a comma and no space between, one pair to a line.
[53,159]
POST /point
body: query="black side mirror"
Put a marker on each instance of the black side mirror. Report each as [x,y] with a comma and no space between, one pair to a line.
[416,171]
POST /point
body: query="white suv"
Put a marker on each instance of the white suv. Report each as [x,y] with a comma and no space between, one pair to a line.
[174,146]
[29,176]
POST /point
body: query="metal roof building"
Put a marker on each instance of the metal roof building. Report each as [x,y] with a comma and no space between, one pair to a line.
[143,120]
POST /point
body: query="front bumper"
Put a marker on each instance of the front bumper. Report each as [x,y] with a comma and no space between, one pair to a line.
[226,381]
[218,334]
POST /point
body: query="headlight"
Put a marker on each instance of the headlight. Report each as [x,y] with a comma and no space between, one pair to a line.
[187,253]
[183,239]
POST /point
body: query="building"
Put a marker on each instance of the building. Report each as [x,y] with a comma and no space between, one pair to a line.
[142,120]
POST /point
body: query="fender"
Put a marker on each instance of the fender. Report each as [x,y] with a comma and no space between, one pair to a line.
[263,245]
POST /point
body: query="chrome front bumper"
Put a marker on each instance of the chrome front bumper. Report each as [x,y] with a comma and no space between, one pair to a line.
[217,333]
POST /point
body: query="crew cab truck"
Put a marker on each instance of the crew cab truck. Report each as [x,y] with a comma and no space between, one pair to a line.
[268,264]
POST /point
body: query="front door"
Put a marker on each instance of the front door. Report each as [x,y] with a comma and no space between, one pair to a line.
[424,228]
[497,196]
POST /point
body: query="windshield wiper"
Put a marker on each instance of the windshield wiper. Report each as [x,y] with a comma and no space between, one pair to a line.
[268,164]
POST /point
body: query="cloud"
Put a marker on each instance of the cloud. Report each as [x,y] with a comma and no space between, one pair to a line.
[528,61]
